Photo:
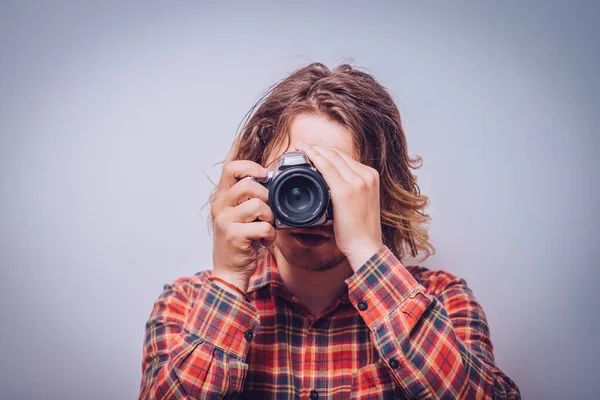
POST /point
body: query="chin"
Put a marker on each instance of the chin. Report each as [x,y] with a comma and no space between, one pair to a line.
[301,250]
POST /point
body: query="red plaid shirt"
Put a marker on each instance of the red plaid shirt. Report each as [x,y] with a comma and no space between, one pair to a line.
[407,333]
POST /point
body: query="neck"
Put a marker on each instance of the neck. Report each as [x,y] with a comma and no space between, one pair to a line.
[315,289]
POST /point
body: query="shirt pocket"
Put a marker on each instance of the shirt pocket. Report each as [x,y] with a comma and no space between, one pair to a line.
[374,382]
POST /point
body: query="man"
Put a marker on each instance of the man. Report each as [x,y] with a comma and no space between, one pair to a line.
[326,312]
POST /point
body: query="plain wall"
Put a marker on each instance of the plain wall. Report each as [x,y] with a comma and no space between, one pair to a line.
[111,113]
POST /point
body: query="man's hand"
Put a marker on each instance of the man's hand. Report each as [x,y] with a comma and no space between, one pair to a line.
[355,196]
[242,220]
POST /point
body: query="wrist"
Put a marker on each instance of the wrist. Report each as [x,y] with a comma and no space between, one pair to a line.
[232,279]
[223,284]
[361,253]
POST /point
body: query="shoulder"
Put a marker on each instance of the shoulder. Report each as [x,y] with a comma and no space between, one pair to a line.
[436,282]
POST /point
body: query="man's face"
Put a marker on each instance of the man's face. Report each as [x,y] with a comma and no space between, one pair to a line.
[312,248]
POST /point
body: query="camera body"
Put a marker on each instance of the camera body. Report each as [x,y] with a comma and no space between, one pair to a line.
[298,194]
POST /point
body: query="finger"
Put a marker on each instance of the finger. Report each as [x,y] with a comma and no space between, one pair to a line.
[256,231]
[235,170]
[252,210]
[243,190]
[331,174]
[361,169]
[267,242]
[340,163]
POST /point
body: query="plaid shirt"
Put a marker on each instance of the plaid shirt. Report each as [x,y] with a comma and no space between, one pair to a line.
[407,333]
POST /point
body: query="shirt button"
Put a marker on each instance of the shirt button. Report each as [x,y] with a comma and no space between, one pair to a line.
[362,305]
[249,335]
[394,363]
[314,395]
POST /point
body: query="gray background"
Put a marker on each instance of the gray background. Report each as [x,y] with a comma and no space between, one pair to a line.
[110,114]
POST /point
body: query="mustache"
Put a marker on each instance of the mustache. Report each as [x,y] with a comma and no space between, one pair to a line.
[322,231]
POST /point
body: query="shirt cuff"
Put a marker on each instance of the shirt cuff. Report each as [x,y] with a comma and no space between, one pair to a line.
[223,319]
[381,285]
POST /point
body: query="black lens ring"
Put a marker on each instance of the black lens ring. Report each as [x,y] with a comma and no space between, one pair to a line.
[322,193]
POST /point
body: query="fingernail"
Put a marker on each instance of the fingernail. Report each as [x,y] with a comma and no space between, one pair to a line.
[264,171]
[300,145]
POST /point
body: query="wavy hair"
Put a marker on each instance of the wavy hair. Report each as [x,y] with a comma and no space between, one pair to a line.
[358,102]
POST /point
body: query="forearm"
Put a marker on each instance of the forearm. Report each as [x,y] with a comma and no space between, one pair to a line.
[185,371]
[429,352]
[197,349]
[431,359]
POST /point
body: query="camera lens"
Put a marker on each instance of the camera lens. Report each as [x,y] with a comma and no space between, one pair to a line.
[299,197]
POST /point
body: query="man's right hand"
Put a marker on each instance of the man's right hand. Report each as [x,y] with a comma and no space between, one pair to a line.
[241,221]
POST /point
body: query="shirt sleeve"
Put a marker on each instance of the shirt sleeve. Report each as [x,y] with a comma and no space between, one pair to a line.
[196,342]
[435,347]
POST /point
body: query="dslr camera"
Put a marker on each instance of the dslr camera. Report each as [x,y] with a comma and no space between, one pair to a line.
[298,194]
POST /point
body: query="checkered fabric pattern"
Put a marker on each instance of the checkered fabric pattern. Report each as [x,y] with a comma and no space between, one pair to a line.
[398,333]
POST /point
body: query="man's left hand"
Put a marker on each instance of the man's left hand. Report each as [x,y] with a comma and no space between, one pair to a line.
[355,195]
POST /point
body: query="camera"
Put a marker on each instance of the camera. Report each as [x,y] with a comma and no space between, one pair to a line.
[298,194]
